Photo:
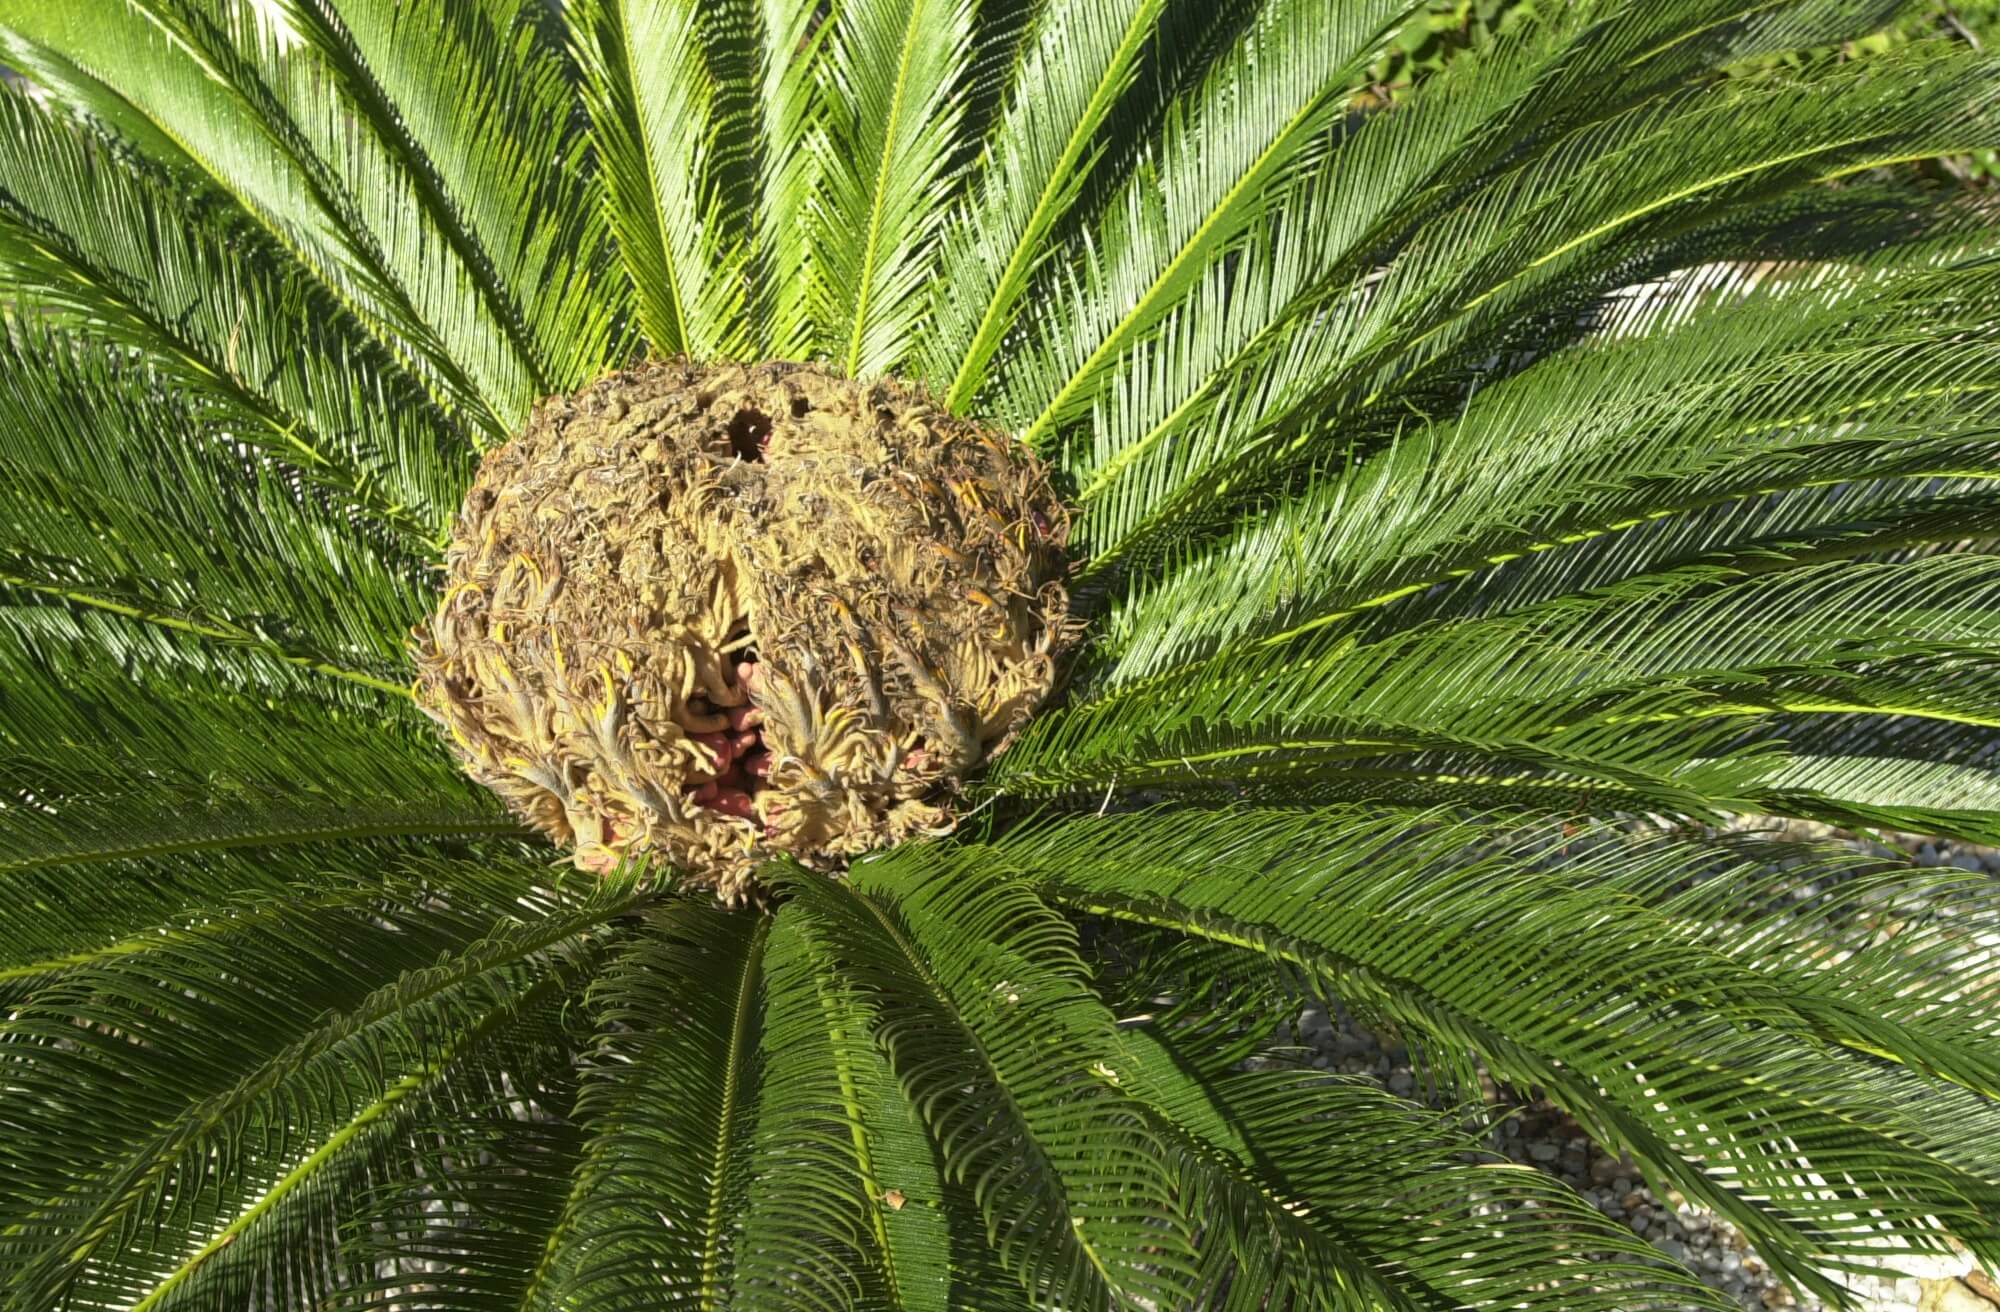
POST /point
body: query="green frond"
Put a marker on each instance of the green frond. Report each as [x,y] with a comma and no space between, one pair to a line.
[122,747]
[845,1203]
[667,127]
[789,91]
[120,491]
[669,1110]
[235,1075]
[121,250]
[446,1216]
[478,127]
[1329,311]
[1802,1129]
[1658,692]
[247,120]
[1800,383]
[1262,115]
[979,1002]
[298,82]
[1084,55]
[1306,1223]
[111,65]
[896,81]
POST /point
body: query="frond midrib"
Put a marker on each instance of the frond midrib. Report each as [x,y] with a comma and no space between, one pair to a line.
[264,837]
[381,1107]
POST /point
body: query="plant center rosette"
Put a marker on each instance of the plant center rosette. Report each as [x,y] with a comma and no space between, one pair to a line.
[719,614]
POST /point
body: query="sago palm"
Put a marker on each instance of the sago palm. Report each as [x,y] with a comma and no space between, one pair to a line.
[733,653]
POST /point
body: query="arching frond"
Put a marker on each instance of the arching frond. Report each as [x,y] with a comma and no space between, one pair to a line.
[1224,152]
[305,116]
[1084,55]
[669,1113]
[896,74]
[283,1052]
[1327,311]
[979,1004]
[118,248]
[665,120]
[1305,1225]
[476,119]
[122,493]
[1581,977]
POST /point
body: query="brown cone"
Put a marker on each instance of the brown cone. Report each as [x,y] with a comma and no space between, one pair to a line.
[722,613]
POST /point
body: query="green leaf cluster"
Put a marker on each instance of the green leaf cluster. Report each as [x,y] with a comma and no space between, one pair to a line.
[1477,498]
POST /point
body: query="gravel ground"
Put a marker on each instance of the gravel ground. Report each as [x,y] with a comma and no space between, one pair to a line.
[1541,1136]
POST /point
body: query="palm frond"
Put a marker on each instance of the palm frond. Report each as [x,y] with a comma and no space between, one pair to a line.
[1359,322]
[451,1214]
[119,249]
[121,491]
[1262,114]
[789,92]
[664,121]
[1084,55]
[477,122]
[1304,1224]
[845,1202]
[280,1054]
[668,1111]
[897,76]
[210,88]
[338,141]
[1554,976]
[1658,691]
[120,745]
[1797,387]
[980,1006]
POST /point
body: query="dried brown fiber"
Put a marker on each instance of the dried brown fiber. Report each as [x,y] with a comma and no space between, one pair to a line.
[721,613]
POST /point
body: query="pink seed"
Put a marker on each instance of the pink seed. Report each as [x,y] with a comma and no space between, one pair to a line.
[717,742]
[746,674]
[733,801]
[757,764]
[740,743]
[745,717]
[705,794]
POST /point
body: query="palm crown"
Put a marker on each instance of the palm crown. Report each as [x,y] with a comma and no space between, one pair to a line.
[1424,560]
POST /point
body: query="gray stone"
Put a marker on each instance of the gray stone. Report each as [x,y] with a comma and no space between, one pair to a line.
[1670,1248]
[1544,1152]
